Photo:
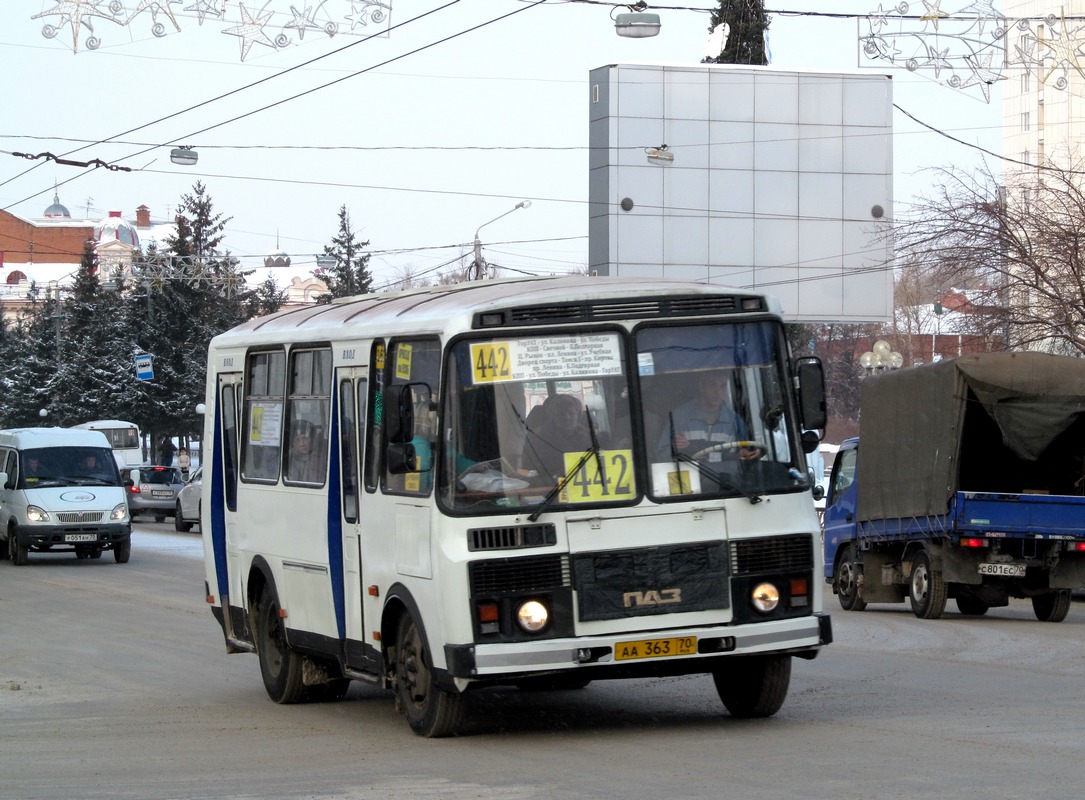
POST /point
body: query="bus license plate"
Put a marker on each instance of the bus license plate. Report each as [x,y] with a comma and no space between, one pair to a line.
[80,537]
[1004,570]
[656,648]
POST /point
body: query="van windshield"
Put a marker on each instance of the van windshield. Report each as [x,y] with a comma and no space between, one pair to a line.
[67,466]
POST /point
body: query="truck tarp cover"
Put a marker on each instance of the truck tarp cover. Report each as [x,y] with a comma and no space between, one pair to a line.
[912,421]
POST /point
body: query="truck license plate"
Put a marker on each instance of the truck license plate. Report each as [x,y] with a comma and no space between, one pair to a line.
[1003,570]
[656,648]
[80,537]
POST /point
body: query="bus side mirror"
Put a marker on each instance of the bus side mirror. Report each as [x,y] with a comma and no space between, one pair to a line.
[810,379]
[809,440]
[398,414]
[401,458]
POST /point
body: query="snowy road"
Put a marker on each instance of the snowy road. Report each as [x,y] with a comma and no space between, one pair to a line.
[115,683]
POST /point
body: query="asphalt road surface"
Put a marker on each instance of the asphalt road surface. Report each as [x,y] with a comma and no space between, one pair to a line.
[115,683]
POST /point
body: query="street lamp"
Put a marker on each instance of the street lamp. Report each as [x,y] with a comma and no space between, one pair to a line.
[478,266]
[636,25]
[880,358]
[185,156]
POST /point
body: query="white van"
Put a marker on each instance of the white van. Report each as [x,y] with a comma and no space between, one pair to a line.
[60,492]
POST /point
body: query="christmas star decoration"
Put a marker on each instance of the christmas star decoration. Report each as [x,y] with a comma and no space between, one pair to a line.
[1064,47]
[303,21]
[205,8]
[982,74]
[251,31]
[74,13]
[155,6]
[933,13]
[937,59]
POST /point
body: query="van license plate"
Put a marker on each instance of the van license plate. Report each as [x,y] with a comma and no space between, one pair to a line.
[1004,570]
[80,537]
[656,648]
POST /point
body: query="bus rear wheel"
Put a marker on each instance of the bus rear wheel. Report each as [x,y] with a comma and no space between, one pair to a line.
[431,711]
[280,666]
[753,686]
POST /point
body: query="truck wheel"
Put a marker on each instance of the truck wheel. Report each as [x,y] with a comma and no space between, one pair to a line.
[1052,607]
[970,606]
[847,582]
[928,590]
[280,666]
[430,710]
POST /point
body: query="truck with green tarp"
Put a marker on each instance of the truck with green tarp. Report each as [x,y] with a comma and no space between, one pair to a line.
[967,482]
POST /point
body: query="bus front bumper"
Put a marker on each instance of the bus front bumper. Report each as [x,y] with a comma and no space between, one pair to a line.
[670,652]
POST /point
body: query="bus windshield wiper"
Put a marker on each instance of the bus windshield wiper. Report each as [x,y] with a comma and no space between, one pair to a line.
[568,476]
[721,480]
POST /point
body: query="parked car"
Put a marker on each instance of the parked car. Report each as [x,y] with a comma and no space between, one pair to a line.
[187,512]
[152,490]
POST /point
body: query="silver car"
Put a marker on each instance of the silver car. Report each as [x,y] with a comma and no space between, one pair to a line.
[152,490]
[187,512]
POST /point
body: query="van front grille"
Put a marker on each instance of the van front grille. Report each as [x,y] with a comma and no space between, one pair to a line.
[87,517]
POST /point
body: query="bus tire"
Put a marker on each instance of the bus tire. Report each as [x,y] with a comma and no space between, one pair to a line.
[280,666]
[121,552]
[752,687]
[847,582]
[430,710]
[1052,607]
[927,589]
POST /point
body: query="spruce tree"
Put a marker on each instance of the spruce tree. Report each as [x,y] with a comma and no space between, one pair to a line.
[747,23]
[350,274]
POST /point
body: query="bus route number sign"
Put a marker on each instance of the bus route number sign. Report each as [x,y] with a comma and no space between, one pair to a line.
[491,362]
[589,485]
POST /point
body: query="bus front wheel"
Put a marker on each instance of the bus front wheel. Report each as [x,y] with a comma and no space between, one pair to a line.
[753,686]
[280,666]
[430,710]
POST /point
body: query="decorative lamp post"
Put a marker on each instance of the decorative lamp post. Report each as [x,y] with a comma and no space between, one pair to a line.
[880,358]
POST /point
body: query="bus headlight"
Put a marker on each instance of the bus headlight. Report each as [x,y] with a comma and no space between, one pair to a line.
[119,512]
[35,514]
[532,616]
[765,597]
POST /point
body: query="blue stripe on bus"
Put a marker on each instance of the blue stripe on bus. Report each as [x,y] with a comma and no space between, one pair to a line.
[218,511]
[335,523]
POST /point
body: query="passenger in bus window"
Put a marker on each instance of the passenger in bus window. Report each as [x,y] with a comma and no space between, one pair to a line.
[305,460]
[559,427]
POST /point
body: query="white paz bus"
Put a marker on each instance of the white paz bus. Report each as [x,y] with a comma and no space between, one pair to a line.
[515,482]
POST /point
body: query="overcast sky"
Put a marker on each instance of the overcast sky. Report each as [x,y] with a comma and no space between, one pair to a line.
[422,147]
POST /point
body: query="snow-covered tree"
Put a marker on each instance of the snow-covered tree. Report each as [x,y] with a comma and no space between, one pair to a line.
[350,274]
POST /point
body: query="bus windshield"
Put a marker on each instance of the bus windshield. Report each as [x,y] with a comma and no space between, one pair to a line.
[547,420]
[529,414]
[716,418]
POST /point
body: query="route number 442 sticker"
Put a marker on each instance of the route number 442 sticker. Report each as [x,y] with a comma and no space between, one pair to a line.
[588,485]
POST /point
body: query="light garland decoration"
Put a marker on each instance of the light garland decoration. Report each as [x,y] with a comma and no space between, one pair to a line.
[971,47]
[272,23]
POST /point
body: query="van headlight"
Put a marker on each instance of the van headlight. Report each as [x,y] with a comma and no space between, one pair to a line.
[119,513]
[35,514]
